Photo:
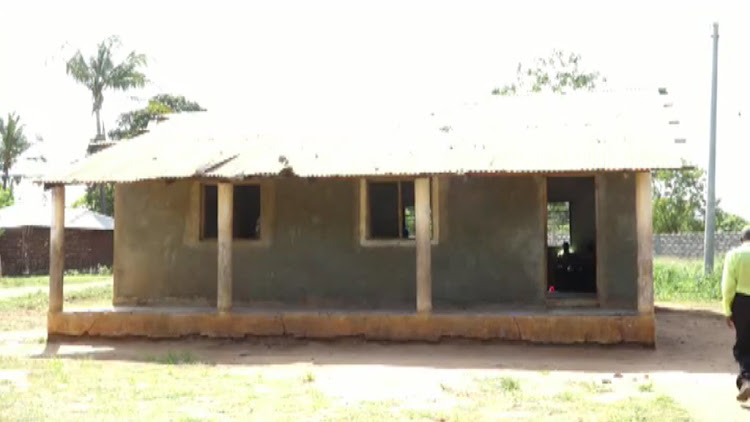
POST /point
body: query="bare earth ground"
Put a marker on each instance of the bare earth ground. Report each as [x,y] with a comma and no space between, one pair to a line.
[692,363]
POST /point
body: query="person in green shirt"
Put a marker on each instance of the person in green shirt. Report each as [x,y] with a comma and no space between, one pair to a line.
[735,288]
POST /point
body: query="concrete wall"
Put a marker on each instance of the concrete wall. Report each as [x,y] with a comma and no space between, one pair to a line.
[26,250]
[491,246]
[617,267]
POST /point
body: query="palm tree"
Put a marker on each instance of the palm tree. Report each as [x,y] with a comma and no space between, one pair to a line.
[13,144]
[100,73]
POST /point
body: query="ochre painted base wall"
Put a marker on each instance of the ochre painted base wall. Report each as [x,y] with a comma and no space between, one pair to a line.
[639,329]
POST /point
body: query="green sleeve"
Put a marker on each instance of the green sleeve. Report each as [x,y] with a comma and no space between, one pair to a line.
[729,283]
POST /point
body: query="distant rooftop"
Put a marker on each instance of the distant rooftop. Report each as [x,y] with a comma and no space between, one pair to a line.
[26,215]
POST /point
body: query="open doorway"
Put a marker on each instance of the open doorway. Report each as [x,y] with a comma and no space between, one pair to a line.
[571,235]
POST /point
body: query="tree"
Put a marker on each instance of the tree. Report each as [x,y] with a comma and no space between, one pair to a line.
[728,223]
[130,125]
[100,73]
[93,199]
[6,198]
[559,73]
[134,123]
[679,200]
[13,144]
[679,203]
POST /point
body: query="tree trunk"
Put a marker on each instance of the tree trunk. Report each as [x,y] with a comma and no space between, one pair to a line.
[98,126]
[103,199]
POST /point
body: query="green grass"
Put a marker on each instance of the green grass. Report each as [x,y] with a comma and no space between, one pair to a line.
[647,387]
[184,357]
[88,389]
[679,280]
[309,377]
[42,281]
[39,301]
[29,312]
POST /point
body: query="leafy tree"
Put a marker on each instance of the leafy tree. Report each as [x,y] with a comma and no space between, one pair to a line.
[679,200]
[13,144]
[728,223]
[559,73]
[6,198]
[130,125]
[134,123]
[679,203]
[100,73]
[93,199]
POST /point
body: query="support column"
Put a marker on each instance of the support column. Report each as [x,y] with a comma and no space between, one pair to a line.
[424,244]
[644,228]
[224,246]
[57,249]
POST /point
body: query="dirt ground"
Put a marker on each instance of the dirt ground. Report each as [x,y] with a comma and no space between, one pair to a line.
[692,361]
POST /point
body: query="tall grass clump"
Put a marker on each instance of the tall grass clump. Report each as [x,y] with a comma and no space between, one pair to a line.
[684,280]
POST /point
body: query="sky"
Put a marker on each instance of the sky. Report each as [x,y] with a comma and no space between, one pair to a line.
[355,60]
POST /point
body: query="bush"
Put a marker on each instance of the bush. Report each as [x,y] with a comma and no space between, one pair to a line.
[679,279]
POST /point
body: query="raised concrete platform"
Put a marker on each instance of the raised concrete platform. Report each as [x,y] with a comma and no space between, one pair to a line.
[554,326]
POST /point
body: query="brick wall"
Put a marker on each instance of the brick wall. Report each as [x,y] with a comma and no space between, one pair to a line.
[690,245]
[26,250]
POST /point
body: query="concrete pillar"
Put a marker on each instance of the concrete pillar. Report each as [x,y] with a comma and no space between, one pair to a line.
[224,247]
[424,244]
[57,249]
[644,229]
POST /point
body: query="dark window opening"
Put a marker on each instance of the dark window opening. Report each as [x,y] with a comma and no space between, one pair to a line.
[391,210]
[246,212]
[571,235]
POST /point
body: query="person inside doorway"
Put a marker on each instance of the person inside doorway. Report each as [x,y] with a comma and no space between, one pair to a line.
[735,288]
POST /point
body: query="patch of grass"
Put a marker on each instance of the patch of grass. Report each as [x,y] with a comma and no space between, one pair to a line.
[592,387]
[93,294]
[30,302]
[566,396]
[503,384]
[660,408]
[646,387]
[87,389]
[22,313]
[683,280]
[43,281]
[184,357]
[309,377]
[40,301]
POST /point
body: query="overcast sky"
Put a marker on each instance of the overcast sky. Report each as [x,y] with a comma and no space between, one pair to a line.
[345,59]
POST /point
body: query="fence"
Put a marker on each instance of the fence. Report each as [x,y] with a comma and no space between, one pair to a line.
[690,245]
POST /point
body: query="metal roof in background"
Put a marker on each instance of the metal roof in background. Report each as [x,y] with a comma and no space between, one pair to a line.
[532,134]
[34,215]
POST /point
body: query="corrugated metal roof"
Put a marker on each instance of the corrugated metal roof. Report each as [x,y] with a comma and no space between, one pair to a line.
[537,133]
[33,215]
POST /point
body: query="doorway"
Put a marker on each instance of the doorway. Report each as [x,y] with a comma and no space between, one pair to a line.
[571,235]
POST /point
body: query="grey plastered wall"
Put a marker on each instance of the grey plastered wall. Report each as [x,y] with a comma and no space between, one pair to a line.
[490,249]
[617,265]
[492,245]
